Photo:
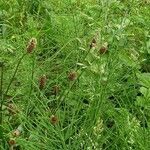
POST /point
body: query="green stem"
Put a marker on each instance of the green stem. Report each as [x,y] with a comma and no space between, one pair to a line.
[1,100]
[1,93]
[31,86]
[62,97]
[32,75]
[14,73]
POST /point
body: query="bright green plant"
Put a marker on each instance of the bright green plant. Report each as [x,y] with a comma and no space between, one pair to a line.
[85,86]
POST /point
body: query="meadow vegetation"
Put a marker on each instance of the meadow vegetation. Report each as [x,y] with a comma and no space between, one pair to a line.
[75,75]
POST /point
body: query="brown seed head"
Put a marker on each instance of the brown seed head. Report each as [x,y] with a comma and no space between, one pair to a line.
[32,45]
[12,142]
[54,119]
[42,82]
[104,48]
[72,76]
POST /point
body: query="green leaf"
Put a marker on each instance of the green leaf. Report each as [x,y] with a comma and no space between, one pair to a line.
[144,79]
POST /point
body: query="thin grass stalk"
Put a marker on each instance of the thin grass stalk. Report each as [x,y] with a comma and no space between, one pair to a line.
[32,75]
[64,95]
[1,102]
[14,74]
[1,92]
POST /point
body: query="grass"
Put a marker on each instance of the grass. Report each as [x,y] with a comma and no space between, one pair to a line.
[85,84]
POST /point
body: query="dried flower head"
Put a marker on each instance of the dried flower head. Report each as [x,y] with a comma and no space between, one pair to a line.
[104,48]
[31,45]
[93,43]
[16,133]
[12,142]
[54,119]
[72,75]
[55,89]
[42,82]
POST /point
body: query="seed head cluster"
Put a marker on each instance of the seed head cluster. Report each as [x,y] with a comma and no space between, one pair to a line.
[42,82]
[72,76]
[16,133]
[12,142]
[104,48]
[54,119]
[31,45]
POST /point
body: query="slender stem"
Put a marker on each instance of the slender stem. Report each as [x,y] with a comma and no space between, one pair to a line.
[1,93]
[1,101]
[33,107]
[31,86]
[62,97]
[32,75]
[14,73]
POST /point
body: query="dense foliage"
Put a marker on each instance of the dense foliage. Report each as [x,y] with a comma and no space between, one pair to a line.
[75,74]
